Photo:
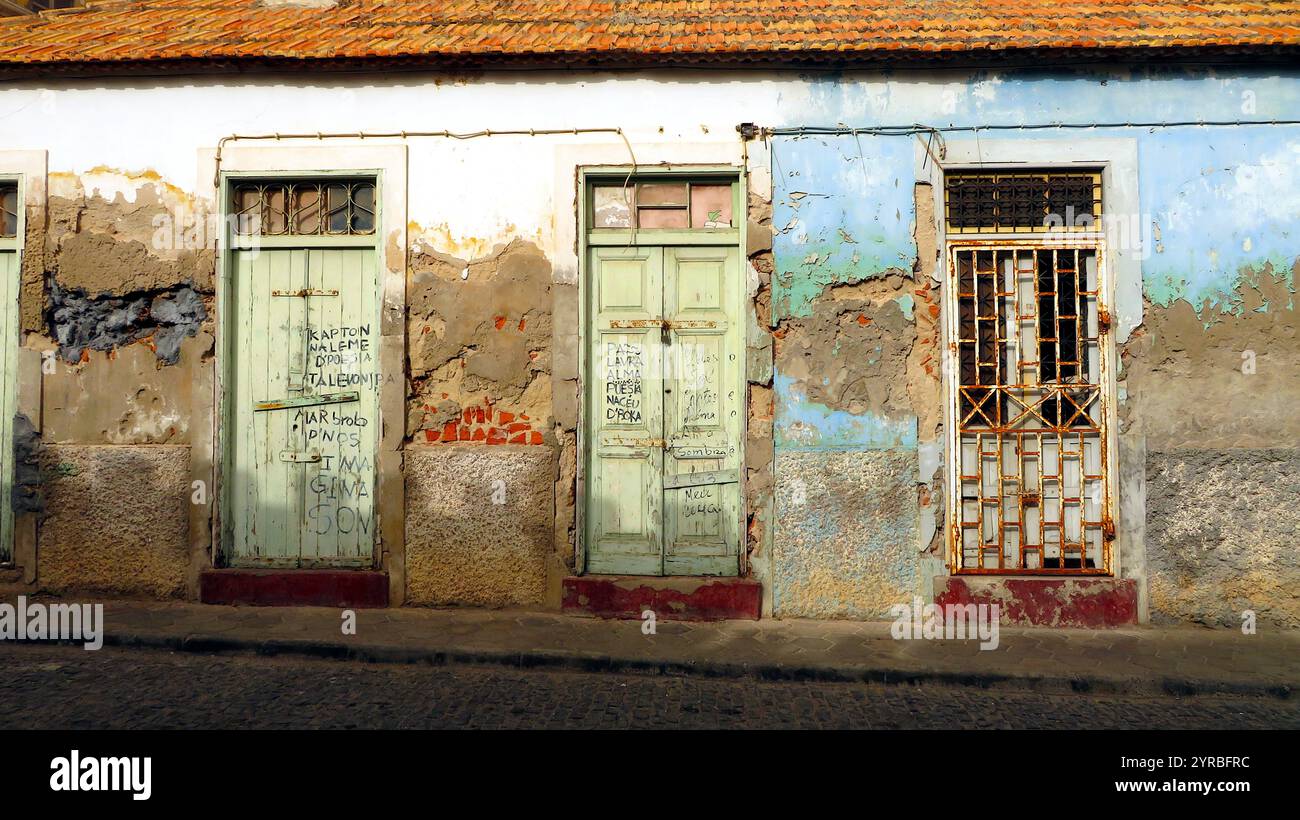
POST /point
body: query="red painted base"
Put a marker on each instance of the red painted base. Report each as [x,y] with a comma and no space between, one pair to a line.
[352,589]
[671,599]
[1085,603]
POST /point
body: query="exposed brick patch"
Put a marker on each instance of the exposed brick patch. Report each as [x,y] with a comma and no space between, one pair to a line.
[486,425]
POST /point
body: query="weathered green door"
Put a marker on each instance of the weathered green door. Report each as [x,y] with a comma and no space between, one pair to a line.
[663,407]
[304,421]
[8,389]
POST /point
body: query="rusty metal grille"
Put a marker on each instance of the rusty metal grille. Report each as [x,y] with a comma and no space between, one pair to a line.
[8,209]
[324,208]
[1031,489]
[1022,201]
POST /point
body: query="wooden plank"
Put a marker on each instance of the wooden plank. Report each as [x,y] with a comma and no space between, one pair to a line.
[238,475]
[9,273]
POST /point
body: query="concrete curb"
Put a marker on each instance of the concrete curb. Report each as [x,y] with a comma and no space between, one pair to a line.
[1156,685]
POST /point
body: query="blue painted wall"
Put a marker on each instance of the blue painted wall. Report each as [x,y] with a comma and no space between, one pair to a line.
[1215,201]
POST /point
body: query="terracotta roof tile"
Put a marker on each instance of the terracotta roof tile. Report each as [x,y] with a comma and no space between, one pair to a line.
[125,31]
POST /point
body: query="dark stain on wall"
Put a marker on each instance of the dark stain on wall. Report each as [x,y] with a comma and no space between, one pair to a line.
[25,495]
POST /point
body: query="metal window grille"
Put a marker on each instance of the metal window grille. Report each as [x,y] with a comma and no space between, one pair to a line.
[1031,492]
[8,209]
[1022,201]
[316,208]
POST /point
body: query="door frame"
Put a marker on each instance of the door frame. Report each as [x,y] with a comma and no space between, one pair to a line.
[587,175]
[387,163]
[1119,265]
[30,169]
[229,313]
[9,372]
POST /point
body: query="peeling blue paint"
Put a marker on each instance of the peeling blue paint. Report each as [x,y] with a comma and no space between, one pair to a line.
[842,213]
[1214,201]
[803,424]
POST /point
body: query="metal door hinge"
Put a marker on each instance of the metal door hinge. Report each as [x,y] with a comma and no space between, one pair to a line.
[1103,321]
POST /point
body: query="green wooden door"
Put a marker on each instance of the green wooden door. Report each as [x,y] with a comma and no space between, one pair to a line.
[702,412]
[663,408]
[8,392]
[304,421]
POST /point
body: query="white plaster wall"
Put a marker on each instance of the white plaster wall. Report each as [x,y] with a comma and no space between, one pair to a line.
[465,196]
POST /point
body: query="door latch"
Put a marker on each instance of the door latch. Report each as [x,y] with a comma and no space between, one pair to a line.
[660,443]
[305,292]
[292,457]
[307,401]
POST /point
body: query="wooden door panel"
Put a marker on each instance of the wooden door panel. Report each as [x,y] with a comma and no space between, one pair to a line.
[625,406]
[305,416]
[702,412]
[9,270]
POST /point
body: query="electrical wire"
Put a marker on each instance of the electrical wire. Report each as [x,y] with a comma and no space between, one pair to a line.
[919,128]
[465,135]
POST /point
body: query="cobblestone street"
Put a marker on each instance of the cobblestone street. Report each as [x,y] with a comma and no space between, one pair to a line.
[69,688]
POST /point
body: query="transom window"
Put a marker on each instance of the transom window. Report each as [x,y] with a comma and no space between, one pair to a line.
[1022,201]
[664,204]
[305,208]
[8,209]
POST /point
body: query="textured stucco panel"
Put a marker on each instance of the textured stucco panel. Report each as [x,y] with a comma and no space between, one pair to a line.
[461,547]
[1222,535]
[118,520]
[846,533]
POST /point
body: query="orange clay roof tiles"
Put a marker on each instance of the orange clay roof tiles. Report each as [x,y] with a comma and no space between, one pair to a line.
[486,31]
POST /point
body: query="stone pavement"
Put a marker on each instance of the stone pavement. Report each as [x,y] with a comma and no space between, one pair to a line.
[1149,660]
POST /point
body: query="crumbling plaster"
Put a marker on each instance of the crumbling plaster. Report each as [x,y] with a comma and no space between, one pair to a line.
[480,337]
[1242,172]
[1212,395]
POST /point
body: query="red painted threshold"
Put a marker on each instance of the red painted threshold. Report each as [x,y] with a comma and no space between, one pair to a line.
[359,589]
[1086,603]
[673,599]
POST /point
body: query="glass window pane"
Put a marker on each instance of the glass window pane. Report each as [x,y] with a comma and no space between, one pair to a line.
[711,206]
[363,208]
[275,214]
[336,203]
[661,218]
[662,193]
[611,207]
[307,214]
[248,210]
[9,211]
